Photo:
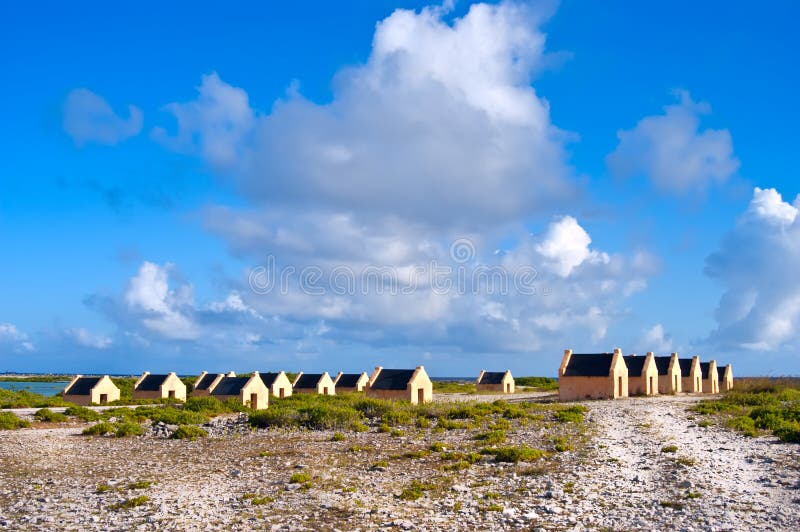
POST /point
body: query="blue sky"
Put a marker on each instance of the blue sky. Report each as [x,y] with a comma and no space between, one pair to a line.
[636,156]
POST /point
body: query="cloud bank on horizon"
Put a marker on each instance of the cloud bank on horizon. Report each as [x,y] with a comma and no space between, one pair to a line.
[430,211]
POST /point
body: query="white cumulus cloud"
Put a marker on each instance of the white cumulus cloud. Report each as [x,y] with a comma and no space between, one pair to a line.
[88,117]
[84,338]
[757,263]
[440,124]
[673,151]
[14,339]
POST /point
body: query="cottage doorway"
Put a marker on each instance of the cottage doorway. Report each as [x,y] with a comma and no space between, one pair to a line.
[325,391]
[619,387]
[172,394]
[420,395]
[650,387]
[103,398]
[508,387]
[281,392]
[676,383]
[254,401]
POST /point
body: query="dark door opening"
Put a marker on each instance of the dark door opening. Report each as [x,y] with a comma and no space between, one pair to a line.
[103,398]
[172,394]
[281,392]
[420,396]
[619,387]
[254,401]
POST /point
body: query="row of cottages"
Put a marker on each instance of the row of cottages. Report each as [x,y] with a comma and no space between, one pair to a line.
[612,375]
[412,385]
[495,381]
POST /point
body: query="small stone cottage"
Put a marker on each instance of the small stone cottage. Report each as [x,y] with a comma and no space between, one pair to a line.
[350,382]
[691,377]
[725,378]
[164,386]
[592,376]
[400,384]
[278,383]
[495,381]
[669,374]
[86,391]
[249,391]
[710,382]
[642,375]
[205,382]
[319,383]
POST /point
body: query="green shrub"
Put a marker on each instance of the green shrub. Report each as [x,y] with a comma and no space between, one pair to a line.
[542,383]
[130,503]
[99,429]
[570,414]
[414,491]
[171,415]
[437,447]
[423,422]
[743,424]
[205,405]
[669,449]
[140,485]
[327,417]
[372,408]
[493,437]
[277,416]
[9,421]
[561,444]
[127,428]
[82,413]
[188,432]
[394,418]
[337,436]
[522,453]
[300,478]
[789,432]
[45,414]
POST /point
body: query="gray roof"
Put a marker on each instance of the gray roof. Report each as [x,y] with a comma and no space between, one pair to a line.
[686,366]
[230,386]
[348,380]
[662,363]
[151,383]
[635,365]
[492,377]
[83,386]
[392,379]
[268,378]
[704,366]
[589,365]
[205,382]
[308,380]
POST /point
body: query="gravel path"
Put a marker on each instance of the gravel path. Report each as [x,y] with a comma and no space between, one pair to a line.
[715,480]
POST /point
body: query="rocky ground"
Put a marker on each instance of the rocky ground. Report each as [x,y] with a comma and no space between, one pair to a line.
[615,477]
